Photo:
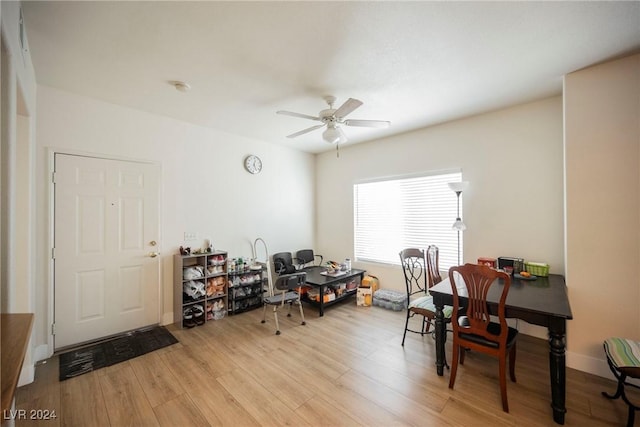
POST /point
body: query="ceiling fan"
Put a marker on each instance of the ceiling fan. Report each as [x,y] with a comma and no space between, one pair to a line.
[333,118]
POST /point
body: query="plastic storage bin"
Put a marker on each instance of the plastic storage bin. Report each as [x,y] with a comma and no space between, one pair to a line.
[537,268]
[392,300]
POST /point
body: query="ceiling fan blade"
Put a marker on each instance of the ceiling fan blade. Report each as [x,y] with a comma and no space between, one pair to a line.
[302,116]
[368,123]
[348,106]
[307,130]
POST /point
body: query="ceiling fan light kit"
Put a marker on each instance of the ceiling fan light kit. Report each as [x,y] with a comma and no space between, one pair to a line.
[333,119]
[332,135]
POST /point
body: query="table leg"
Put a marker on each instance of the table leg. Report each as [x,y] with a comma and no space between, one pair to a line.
[321,308]
[440,339]
[557,367]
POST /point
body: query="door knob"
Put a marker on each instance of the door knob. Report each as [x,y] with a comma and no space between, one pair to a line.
[153,243]
[154,254]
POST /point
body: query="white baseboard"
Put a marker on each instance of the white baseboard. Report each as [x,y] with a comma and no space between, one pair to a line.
[27,375]
[589,364]
[41,352]
[574,360]
[28,371]
[594,366]
[532,330]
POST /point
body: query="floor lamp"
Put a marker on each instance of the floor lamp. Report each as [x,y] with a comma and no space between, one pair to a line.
[458,188]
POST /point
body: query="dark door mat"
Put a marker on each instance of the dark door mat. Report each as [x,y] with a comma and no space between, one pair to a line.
[116,350]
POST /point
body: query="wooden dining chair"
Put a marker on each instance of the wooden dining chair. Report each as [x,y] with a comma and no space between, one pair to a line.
[471,321]
[417,277]
[433,267]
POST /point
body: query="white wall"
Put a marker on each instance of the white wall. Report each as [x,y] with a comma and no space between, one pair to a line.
[602,143]
[205,188]
[17,106]
[512,159]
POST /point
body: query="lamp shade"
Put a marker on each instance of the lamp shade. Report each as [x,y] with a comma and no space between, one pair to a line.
[459,225]
[459,186]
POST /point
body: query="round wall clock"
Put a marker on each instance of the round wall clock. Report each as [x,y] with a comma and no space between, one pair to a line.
[253,164]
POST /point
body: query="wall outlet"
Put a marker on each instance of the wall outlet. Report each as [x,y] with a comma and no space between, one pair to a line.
[190,236]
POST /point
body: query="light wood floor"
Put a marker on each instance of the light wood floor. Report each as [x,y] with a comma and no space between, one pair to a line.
[345,369]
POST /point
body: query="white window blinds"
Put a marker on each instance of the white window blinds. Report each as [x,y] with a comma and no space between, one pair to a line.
[395,214]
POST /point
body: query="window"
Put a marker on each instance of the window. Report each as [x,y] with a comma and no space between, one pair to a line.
[390,215]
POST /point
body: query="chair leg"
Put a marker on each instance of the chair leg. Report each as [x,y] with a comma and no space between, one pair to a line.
[275,315]
[631,417]
[444,338]
[503,381]
[301,313]
[512,363]
[264,313]
[406,325]
[454,364]
[620,393]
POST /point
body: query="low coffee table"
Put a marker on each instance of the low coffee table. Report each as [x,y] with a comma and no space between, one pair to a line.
[315,278]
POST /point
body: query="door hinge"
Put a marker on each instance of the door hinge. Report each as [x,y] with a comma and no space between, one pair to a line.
[53,253]
[53,329]
[53,177]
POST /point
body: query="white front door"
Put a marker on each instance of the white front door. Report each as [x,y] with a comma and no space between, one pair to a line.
[106,272]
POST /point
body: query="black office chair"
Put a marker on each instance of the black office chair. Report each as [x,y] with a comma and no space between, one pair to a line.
[306,257]
[287,291]
[283,263]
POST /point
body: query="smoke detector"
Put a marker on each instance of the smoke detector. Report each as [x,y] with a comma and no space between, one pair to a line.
[181,86]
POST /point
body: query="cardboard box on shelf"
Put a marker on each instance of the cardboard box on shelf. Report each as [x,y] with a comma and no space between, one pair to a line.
[314,295]
[304,289]
[340,288]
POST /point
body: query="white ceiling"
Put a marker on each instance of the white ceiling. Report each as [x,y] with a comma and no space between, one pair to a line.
[413,63]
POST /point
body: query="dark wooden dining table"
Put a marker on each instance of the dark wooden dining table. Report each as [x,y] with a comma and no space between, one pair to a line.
[542,302]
